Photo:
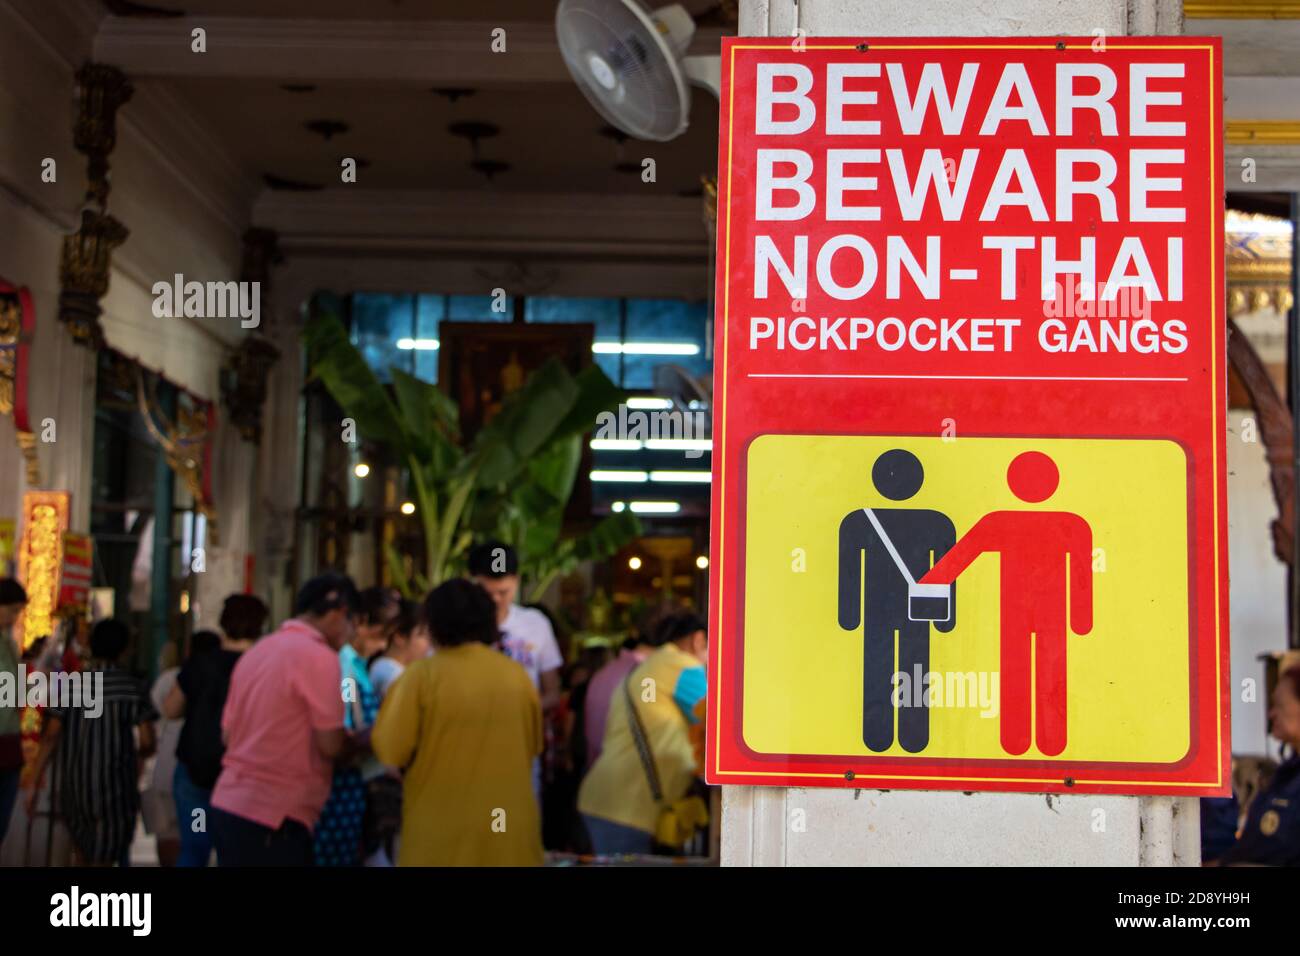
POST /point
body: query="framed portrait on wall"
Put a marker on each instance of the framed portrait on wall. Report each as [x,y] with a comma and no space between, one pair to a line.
[480,364]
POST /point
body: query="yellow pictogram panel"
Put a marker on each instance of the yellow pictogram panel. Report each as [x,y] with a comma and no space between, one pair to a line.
[1127,679]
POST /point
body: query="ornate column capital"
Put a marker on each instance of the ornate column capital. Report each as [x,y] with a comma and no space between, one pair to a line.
[101,89]
[243,376]
[84,274]
[261,254]
[243,384]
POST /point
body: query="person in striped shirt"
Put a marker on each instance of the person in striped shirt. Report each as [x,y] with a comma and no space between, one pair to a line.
[97,755]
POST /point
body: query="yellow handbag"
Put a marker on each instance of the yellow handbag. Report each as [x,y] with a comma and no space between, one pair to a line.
[679,820]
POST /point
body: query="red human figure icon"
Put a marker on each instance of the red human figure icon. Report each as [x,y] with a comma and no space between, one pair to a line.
[1040,551]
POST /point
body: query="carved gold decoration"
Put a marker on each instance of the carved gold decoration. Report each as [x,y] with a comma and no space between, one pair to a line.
[14,301]
[86,253]
[40,560]
[182,446]
[101,89]
[10,327]
[84,274]
[83,268]
[710,184]
[1255,237]
[1276,270]
[1258,263]
[243,384]
[27,445]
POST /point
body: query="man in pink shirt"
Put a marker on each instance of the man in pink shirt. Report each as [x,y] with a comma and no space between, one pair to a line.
[283,728]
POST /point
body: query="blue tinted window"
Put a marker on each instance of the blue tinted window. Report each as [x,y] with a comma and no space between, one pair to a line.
[602,313]
[664,322]
[378,322]
[478,308]
[430,311]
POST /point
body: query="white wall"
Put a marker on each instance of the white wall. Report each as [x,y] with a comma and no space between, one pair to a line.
[185,211]
[1257,598]
[186,208]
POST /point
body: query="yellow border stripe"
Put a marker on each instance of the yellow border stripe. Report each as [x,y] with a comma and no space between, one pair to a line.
[1214,427]
[722,468]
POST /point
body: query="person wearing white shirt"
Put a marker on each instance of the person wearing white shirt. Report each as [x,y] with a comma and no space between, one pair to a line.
[526,635]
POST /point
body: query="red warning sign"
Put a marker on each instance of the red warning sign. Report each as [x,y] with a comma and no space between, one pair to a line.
[969,519]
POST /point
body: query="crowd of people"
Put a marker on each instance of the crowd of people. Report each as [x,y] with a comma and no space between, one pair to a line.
[369,730]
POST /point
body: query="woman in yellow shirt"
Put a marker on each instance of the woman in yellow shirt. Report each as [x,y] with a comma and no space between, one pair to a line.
[633,782]
[464,725]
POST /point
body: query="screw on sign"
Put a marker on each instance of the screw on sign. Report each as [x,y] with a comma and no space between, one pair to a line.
[1025,237]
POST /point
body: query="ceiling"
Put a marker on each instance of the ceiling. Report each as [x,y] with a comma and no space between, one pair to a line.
[254,91]
[368,10]
[489,10]
[378,81]
[550,136]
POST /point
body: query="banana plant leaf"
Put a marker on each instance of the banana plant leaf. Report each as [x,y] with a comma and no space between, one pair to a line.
[431,421]
[554,469]
[603,540]
[514,482]
[608,536]
[526,421]
[334,360]
[397,571]
[596,394]
[540,502]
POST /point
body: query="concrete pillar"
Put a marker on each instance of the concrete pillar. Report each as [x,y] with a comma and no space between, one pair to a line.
[897,828]
[69,396]
[61,374]
[234,464]
[277,480]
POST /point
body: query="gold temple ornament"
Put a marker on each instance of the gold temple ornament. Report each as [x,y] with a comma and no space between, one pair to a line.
[182,443]
[40,561]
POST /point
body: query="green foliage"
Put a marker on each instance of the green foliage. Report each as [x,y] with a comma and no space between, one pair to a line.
[513,482]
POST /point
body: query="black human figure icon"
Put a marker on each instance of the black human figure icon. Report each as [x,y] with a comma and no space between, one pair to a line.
[921,537]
